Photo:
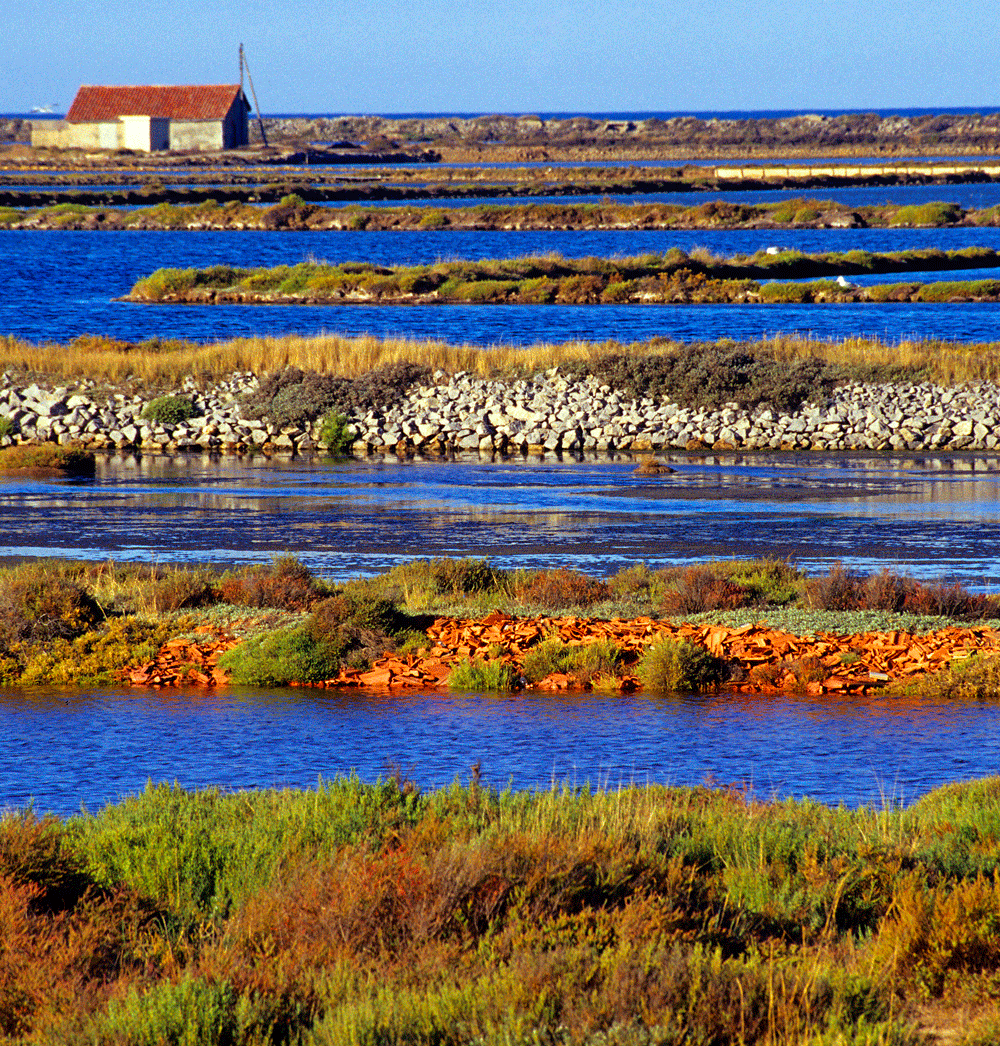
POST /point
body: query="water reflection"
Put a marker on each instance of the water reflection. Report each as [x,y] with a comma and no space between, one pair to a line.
[931,516]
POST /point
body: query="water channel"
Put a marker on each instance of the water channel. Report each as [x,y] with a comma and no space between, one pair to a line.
[930,516]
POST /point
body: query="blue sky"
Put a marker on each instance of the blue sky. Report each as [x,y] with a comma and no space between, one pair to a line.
[521,56]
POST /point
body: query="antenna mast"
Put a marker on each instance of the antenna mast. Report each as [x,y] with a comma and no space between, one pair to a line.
[244,64]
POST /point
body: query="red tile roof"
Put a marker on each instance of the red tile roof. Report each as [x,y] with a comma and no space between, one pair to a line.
[209,102]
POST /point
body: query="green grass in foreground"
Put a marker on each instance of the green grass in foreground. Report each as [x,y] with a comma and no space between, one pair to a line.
[357,913]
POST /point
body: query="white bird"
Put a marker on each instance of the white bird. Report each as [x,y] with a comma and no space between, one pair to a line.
[841,282]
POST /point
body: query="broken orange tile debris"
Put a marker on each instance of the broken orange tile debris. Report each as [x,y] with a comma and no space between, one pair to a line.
[847,663]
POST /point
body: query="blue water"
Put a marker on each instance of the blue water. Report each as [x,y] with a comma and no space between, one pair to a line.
[63,749]
[62,284]
[931,517]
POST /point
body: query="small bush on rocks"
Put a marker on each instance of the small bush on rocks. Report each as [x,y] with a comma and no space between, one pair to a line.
[336,434]
[707,376]
[169,410]
[478,675]
[290,655]
[583,663]
[385,386]
[297,397]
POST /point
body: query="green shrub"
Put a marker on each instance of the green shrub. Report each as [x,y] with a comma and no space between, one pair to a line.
[482,676]
[164,282]
[785,293]
[336,434]
[290,655]
[584,663]
[190,1012]
[169,410]
[680,665]
[935,214]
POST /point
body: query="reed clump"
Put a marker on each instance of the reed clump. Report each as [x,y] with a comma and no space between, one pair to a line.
[357,912]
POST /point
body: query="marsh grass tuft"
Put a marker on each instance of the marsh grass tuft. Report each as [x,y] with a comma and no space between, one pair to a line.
[678,665]
[482,676]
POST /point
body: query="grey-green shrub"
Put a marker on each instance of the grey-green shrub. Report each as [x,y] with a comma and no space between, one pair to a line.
[169,410]
[290,655]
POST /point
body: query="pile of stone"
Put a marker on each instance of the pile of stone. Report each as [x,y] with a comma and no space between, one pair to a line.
[547,414]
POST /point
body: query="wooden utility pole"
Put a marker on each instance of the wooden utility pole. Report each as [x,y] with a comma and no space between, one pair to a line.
[245,64]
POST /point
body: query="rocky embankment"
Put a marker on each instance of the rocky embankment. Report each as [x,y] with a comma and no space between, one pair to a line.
[531,137]
[550,413]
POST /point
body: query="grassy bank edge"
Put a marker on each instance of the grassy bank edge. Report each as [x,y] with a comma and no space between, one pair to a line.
[165,363]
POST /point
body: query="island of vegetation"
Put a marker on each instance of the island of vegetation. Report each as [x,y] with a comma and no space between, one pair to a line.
[674,277]
[758,626]
[293,212]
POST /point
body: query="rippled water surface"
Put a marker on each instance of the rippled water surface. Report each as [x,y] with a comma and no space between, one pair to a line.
[62,284]
[64,749]
[933,516]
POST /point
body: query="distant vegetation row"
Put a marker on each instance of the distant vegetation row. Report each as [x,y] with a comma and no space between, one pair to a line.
[164,364]
[673,277]
[584,137]
[293,211]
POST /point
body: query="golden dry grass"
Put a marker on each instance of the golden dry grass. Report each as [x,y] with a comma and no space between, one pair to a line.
[108,361]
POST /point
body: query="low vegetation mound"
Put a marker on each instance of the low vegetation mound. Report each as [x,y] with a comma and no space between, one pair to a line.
[672,277]
[48,458]
[100,623]
[296,397]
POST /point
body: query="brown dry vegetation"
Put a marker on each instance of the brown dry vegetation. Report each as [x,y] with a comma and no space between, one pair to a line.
[164,363]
